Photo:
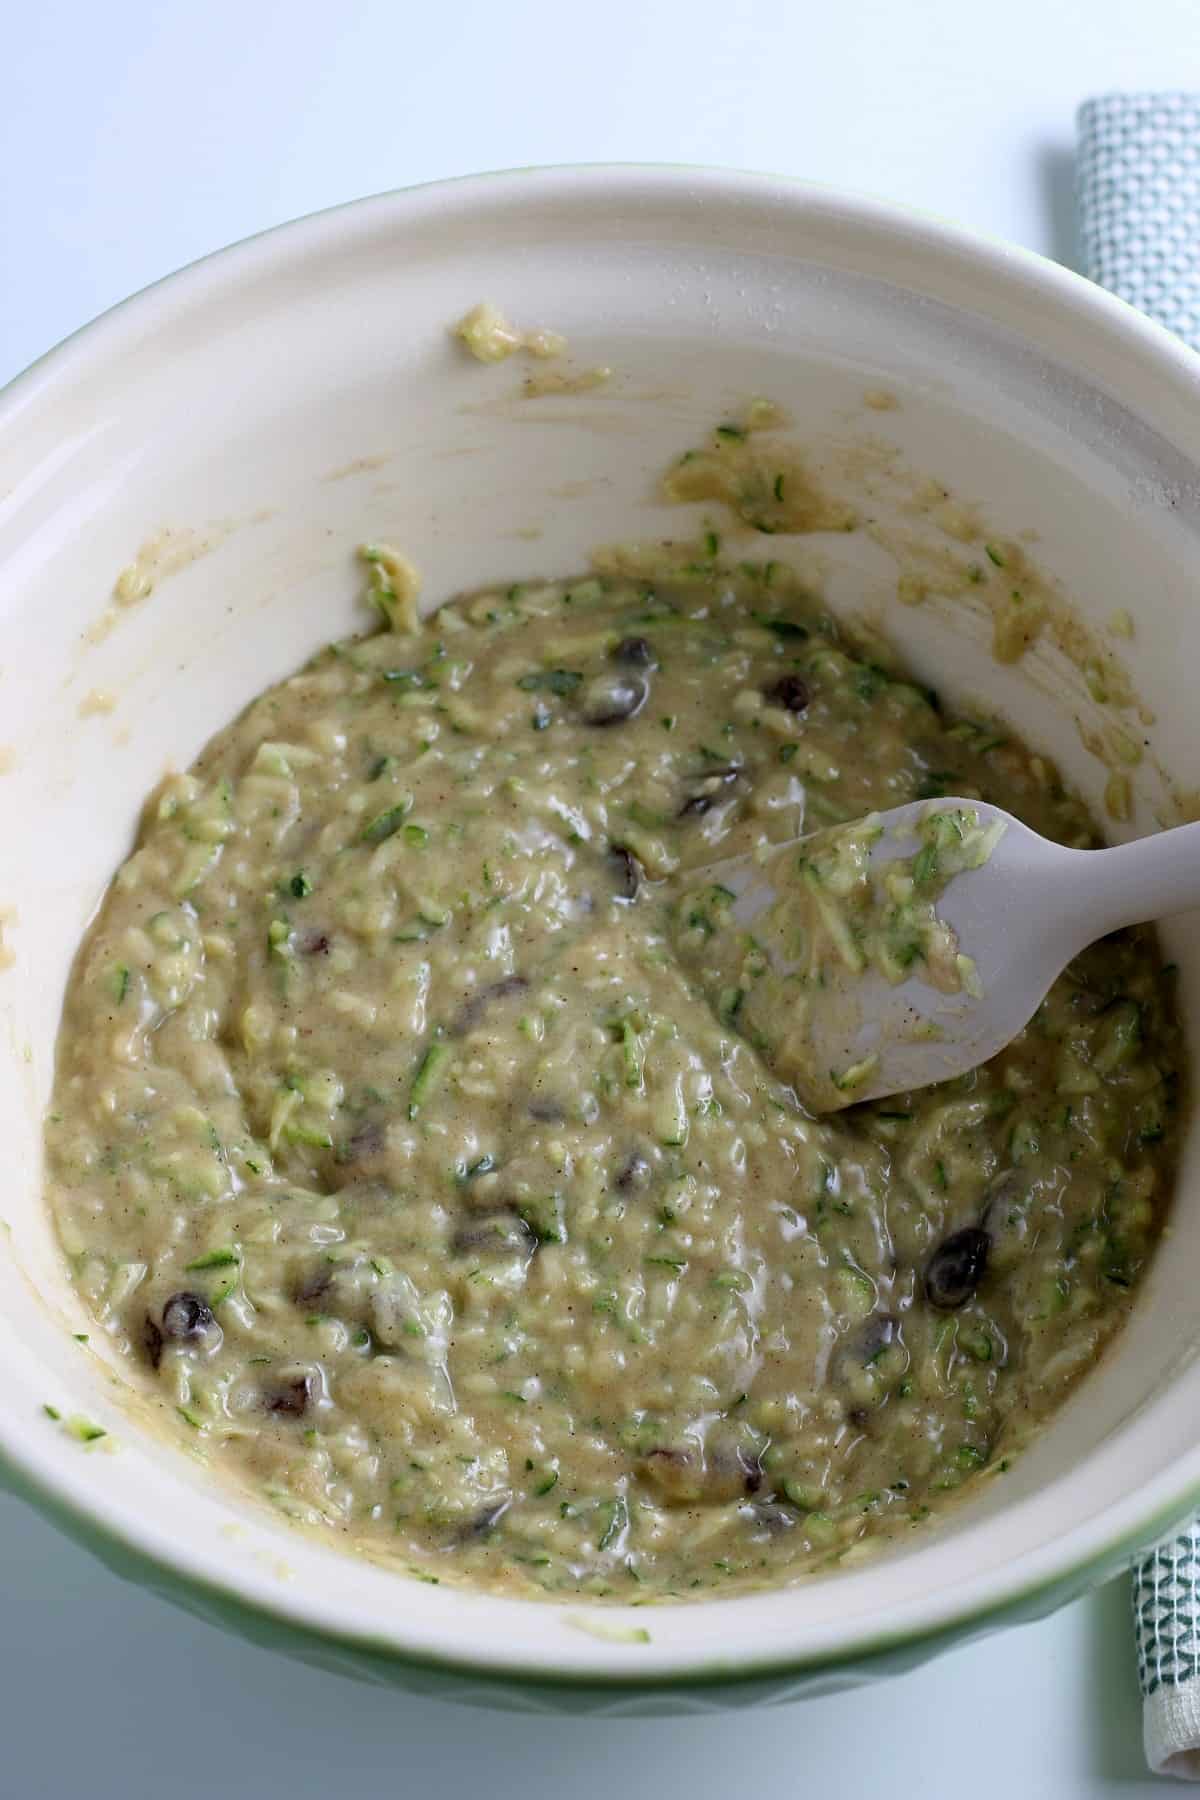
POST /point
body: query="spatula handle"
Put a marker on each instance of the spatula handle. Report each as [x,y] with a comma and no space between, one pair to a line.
[1150,878]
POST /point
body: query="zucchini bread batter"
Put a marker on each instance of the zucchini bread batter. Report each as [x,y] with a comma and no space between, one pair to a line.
[396,1146]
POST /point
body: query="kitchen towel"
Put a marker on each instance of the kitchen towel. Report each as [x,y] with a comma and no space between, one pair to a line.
[1138,182]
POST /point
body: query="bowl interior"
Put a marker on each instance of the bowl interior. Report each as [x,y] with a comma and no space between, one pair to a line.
[258,417]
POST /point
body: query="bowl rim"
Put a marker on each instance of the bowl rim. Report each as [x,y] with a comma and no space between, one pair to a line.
[1026,1587]
[294,1631]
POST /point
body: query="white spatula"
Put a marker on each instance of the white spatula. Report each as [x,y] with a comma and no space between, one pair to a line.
[841,1028]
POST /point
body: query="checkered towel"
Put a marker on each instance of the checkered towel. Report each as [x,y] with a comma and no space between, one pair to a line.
[1139,203]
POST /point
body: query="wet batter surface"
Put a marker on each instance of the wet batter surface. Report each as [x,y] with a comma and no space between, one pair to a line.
[398,1150]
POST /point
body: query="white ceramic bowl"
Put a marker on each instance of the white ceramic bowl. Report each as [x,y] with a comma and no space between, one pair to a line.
[223,402]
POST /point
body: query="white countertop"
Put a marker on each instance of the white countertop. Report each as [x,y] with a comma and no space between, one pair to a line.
[139,134]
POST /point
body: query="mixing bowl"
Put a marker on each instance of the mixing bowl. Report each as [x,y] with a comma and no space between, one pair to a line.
[242,426]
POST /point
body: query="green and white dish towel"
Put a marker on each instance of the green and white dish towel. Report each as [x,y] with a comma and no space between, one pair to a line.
[1139,225]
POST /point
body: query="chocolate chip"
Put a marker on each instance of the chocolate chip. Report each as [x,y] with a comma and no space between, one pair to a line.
[292,1397]
[311,1286]
[609,699]
[152,1341]
[627,871]
[1005,1195]
[485,1521]
[732,1460]
[790,692]
[634,1172]
[364,1143]
[753,1473]
[708,790]
[683,1476]
[956,1268]
[494,1234]
[676,1473]
[875,1335]
[187,1318]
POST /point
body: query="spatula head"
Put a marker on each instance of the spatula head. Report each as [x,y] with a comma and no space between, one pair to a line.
[878,957]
